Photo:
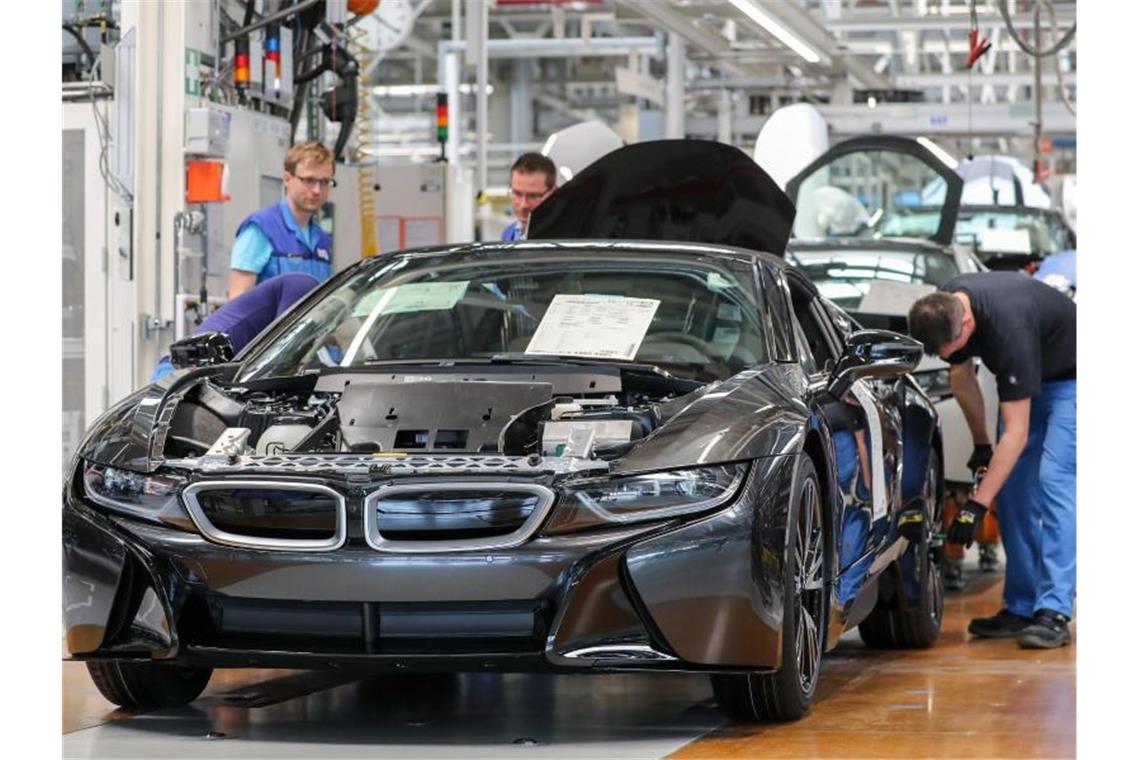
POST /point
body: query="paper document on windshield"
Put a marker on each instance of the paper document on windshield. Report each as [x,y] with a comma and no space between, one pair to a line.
[594,326]
[893,298]
[1005,241]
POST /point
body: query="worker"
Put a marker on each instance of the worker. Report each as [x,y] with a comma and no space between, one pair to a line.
[1026,334]
[286,237]
[244,317]
[532,182]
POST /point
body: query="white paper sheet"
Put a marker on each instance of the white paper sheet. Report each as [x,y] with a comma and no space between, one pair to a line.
[1005,241]
[893,298]
[594,326]
[424,296]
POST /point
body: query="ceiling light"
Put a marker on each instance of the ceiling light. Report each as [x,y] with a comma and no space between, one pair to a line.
[872,101]
[773,27]
[938,152]
[566,173]
[549,144]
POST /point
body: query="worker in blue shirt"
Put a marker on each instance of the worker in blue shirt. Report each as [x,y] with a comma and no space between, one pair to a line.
[244,317]
[286,237]
[532,181]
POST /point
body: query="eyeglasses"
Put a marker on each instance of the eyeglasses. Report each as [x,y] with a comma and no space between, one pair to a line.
[519,195]
[311,182]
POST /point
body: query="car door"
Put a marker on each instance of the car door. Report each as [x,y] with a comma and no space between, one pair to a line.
[878,186]
[864,449]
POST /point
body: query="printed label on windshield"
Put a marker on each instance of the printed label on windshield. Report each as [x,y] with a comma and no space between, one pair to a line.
[414,296]
[594,326]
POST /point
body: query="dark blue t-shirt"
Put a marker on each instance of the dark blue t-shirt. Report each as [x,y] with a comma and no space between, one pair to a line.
[1026,331]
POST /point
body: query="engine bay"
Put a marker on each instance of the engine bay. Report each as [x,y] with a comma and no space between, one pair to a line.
[558,411]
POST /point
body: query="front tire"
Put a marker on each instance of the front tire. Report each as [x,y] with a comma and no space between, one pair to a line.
[148,685]
[917,626]
[786,694]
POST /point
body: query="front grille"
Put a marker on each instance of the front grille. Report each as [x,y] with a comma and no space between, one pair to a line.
[268,515]
[453,516]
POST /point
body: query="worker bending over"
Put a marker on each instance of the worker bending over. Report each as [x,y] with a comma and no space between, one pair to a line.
[1026,334]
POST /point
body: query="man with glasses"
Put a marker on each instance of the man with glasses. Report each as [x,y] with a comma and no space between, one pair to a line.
[286,237]
[532,180]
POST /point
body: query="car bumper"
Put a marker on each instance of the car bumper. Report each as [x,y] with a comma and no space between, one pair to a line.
[700,594]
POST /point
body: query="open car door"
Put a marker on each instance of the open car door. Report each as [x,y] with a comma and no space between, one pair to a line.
[671,190]
[878,186]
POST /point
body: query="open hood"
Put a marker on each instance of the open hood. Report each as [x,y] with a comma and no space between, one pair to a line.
[670,190]
[878,186]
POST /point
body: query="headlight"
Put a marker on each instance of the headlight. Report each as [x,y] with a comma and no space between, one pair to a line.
[149,496]
[618,501]
[935,383]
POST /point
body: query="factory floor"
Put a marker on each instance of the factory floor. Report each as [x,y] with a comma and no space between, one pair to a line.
[962,698]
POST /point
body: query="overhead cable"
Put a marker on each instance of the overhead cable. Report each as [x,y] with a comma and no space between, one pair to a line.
[1068,36]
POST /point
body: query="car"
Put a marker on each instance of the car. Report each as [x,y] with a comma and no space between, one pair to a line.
[897,247]
[659,449]
[1003,219]
[1060,271]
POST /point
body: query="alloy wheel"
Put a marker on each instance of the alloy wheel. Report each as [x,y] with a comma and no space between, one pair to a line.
[809,600]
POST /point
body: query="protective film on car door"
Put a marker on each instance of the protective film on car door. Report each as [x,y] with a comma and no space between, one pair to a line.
[876,187]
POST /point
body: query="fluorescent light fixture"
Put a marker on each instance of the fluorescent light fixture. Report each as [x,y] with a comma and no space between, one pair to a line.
[872,101]
[875,217]
[565,173]
[938,152]
[549,144]
[773,27]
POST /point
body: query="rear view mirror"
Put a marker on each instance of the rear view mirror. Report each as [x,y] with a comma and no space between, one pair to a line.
[201,350]
[874,353]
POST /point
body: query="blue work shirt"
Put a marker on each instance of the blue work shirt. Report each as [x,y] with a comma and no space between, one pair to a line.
[514,231]
[270,242]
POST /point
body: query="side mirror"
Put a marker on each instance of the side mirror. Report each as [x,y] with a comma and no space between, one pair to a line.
[874,353]
[201,350]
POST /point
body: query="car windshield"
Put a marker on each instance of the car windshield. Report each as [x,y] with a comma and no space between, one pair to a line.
[869,194]
[693,317]
[1011,232]
[845,277]
[993,231]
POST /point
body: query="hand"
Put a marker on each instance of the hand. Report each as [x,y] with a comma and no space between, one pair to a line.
[966,524]
[980,459]
[912,524]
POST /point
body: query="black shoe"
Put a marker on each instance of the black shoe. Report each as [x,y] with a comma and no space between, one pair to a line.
[1048,631]
[1003,625]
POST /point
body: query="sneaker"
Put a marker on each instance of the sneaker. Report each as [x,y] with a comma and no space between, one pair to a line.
[1003,625]
[1048,631]
[988,558]
[952,579]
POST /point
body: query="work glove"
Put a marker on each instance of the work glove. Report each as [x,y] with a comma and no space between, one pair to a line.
[912,524]
[966,524]
[980,459]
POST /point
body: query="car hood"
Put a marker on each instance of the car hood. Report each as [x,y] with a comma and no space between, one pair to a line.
[673,190]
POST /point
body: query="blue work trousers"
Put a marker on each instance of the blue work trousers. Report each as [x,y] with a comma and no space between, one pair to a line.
[1037,507]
